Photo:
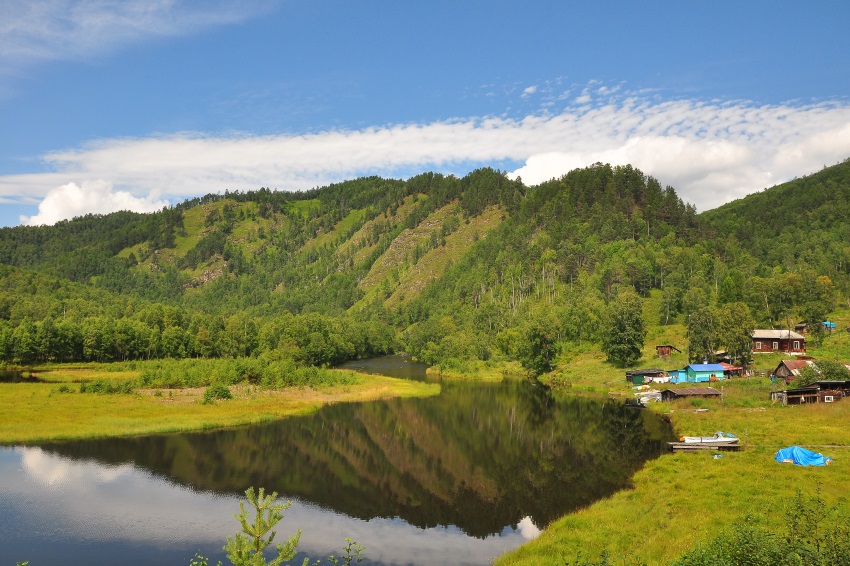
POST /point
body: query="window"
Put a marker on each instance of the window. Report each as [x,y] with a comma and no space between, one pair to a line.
[827,398]
[796,344]
[776,345]
[758,346]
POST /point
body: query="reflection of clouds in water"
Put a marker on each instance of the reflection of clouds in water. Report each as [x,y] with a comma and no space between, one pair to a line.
[64,499]
[51,470]
[90,501]
[527,529]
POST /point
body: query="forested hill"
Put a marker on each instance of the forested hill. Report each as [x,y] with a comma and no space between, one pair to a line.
[800,224]
[450,269]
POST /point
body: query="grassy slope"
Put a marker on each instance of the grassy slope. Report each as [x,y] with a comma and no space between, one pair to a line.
[434,263]
[678,500]
[25,406]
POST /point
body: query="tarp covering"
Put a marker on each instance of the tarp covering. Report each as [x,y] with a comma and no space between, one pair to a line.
[801,457]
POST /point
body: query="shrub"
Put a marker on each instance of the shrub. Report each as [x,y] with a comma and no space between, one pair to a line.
[217,391]
[104,387]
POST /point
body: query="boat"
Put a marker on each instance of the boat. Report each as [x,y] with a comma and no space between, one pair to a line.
[717,438]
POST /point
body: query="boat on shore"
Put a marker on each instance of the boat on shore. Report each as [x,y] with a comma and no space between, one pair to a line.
[717,438]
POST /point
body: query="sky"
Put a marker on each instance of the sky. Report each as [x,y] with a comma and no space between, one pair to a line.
[112,105]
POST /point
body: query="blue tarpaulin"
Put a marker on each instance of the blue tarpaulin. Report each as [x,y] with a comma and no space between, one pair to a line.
[801,457]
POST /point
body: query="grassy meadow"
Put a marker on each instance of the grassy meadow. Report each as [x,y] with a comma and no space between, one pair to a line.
[56,409]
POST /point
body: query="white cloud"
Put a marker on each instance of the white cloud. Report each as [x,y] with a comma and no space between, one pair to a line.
[711,153]
[96,197]
[528,91]
[71,29]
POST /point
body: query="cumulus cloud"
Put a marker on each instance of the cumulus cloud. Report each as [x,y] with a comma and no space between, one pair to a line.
[96,197]
[711,153]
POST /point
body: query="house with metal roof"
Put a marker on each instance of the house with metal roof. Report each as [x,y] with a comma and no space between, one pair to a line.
[770,341]
[790,369]
[700,373]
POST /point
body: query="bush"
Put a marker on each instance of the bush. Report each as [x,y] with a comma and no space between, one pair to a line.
[217,391]
[103,386]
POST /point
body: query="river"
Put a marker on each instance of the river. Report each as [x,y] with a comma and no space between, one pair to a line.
[454,479]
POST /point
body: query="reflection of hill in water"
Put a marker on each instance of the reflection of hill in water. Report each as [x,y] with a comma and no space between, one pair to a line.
[479,456]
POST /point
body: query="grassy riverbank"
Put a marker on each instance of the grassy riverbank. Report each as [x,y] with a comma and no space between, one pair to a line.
[680,500]
[56,409]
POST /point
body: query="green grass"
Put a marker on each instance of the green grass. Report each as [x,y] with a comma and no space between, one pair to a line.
[680,499]
[35,412]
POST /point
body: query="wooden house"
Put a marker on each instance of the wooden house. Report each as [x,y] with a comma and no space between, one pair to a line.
[817,392]
[689,392]
[770,341]
[790,369]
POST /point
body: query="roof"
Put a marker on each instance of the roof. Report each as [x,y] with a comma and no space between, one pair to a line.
[777,335]
[730,367]
[794,366]
[644,371]
[706,367]
[692,391]
[820,386]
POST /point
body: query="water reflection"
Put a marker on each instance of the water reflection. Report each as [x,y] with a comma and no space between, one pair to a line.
[16,376]
[57,510]
[453,479]
[479,456]
[399,365]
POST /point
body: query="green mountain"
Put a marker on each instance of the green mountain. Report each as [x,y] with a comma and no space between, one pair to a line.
[449,269]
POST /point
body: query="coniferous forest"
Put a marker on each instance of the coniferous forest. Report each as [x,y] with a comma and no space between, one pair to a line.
[451,270]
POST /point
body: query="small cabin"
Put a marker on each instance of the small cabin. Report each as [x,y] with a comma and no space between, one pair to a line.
[641,376]
[666,350]
[790,369]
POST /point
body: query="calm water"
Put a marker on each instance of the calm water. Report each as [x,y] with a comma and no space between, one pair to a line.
[454,479]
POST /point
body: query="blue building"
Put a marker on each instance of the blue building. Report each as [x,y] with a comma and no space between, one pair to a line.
[699,373]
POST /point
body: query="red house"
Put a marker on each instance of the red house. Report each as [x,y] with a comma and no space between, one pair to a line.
[786,341]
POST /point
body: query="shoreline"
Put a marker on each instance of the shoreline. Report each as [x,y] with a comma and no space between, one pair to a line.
[38,412]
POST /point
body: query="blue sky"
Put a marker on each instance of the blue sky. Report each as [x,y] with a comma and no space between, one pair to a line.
[113,105]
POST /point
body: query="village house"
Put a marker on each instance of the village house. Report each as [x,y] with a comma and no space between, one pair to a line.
[790,369]
[700,373]
[817,392]
[770,341]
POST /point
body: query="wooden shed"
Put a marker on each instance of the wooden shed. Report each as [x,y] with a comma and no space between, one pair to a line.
[687,392]
[817,392]
[666,350]
[641,376]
